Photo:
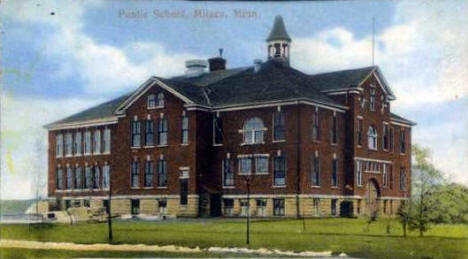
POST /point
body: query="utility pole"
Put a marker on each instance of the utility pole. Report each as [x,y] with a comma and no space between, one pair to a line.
[109,216]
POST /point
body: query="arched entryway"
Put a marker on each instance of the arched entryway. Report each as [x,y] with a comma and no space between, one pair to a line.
[373,194]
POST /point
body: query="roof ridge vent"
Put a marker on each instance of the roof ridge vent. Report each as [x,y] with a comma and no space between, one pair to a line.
[195,67]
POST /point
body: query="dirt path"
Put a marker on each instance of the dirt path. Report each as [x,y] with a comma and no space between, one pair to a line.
[150,248]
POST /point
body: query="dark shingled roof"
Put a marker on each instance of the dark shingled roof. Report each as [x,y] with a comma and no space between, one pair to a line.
[274,81]
[97,112]
[279,30]
[399,118]
[340,79]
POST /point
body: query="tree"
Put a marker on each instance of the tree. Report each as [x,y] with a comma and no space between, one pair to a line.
[405,214]
[426,178]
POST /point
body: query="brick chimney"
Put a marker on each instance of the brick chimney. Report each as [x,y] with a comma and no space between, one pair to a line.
[217,63]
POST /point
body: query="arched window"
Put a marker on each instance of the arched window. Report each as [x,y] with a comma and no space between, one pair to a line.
[253,131]
[372,138]
[151,102]
[161,100]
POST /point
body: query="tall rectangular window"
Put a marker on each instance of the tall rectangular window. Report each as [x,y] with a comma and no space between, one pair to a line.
[334,179]
[183,191]
[391,139]
[372,99]
[385,137]
[106,176]
[333,207]
[402,141]
[315,176]
[68,144]
[217,130]
[359,132]
[359,173]
[245,165]
[316,206]
[136,133]
[402,179]
[184,129]
[59,145]
[77,143]
[384,175]
[279,171]
[107,141]
[149,174]
[149,133]
[88,178]
[97,141]
[59,179]
[87,144]
[334,130]
[96,177]
[134,174]
[69,178]
[315,125]
[162,173]
[78,178]
[162,132]
[228,172]
[278,207]
[278,126]
[261,164]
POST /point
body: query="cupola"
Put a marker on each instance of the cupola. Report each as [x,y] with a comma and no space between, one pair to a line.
[279,41]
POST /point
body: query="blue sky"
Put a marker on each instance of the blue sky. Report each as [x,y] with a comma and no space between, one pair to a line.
[88,52]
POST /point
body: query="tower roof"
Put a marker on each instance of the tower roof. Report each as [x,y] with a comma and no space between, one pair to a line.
[279,30]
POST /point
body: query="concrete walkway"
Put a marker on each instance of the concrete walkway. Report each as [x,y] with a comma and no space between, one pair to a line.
[154,248]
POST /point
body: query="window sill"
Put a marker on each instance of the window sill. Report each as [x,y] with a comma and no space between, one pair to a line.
[372,149]
[334,144]
[69,155]
[245,174]
[97,154]
[149,146]
[58,190]
[87,154]
[316,141]
[217,145]
[184,144]
[155,107]
[251,144]
[334,187]
[359,146]
[58,157]
[96,190]
[359,185]
[402,154]
[315,186]
[136,147]
[278,141]
[229,187]
[264,173]
[279,186]
[77,155]
[148,188]
[161,187]
[106,153]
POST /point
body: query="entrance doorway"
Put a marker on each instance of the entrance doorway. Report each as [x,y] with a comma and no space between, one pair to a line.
[373,196]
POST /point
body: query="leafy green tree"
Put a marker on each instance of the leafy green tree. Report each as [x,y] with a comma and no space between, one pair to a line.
[425,179]
[450,203]
[404,212]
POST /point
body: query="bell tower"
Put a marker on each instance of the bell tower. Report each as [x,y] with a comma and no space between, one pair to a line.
[278,42]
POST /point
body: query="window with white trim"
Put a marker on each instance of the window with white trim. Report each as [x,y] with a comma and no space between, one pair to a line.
[315,172]
[87,142]
[184,129]
[97,141]
[107,141]
[334,175]
[402,141]
[88,178]
[68,144]
[359,173]
[372,99]
[278,126]
[372,138]
[217,130]
[59,179]
[78,184]
[278,207]
[315,125]
[59,145]
[228,172]
[134,174]
[162,173]
[106,176]
[149,133]
[359,132]
[385,137]
[245,165]
[384,175]
[253,131]
[69,178]
[261,164]
[151,101]
[77,143]
[402,179]
[161,100]
[96,177]
[149,173]
[279,171]
[136,133]
[162,131]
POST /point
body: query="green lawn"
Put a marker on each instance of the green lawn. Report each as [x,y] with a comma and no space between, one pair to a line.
[351,236]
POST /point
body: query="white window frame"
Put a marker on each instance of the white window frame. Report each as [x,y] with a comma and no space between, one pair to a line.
[257,158]
[250,134]
[359,172]
[97,141]
[68,144]
[59,145]
[245,158]
[107,141]
[372,138]
[88,147]
[78,143]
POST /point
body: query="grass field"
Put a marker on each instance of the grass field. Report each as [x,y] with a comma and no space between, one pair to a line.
[351,236]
